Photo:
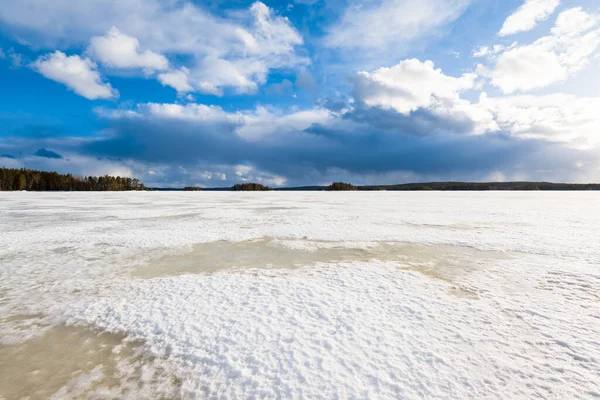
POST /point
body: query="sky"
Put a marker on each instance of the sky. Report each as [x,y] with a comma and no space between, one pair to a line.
[302,92]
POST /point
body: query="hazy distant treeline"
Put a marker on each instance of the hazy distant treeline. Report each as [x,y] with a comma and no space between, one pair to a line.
[29,179]
[485,186]
[451,186]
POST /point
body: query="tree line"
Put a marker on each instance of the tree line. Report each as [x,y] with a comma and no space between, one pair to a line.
[477,186]
[341,186]
[250,187]
[29,179]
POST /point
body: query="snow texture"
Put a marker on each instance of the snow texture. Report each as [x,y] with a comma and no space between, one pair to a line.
[406,295]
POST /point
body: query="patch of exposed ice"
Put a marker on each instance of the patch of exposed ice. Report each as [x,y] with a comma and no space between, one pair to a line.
[442,261]
[67,362]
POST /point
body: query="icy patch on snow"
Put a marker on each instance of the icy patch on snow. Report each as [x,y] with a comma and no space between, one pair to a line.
[444,262]
[68,362]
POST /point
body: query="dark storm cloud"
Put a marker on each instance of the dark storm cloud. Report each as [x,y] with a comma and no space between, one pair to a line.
[360,141]
[375,141]
[419,122]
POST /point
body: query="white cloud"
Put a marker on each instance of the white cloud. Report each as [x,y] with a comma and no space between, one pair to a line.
[117,50]
[2,54]
[263,122]
[238,52]
[491,51]
[250,124]
[557,117]
[274,35]
[269,42]
[178,80]
[573,22]
[409,85]
[376,25]
[527,16]
[526,68]
[412,85]
[190,111]
[550,59]
[482,52]
[78,74]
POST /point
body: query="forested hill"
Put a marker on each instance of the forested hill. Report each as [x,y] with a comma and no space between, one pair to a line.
[29,179]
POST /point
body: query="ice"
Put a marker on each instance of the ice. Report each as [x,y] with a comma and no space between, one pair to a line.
[68,362]
[301,295]
[441,261]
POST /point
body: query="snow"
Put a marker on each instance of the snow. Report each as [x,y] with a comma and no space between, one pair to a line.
[314,295]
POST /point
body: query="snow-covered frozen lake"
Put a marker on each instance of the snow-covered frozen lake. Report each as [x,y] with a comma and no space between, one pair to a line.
[367,295]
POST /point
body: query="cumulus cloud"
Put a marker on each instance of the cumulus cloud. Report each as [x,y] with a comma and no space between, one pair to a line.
[557,117]
[526,17]
[78,74]
[236,53]
[177,79]
[117,50]
[528,67]
[432,99]
[409,85]
[574,39]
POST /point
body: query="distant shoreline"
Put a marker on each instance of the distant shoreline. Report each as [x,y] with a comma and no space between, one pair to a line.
[435,186]
[12,179]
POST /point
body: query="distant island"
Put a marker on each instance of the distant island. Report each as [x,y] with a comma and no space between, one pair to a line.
[250,187]
[30,179]
[341,186]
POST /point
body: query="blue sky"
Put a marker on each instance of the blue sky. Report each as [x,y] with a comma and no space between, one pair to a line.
[302,92]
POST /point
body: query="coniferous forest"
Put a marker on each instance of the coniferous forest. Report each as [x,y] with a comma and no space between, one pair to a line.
[341,186]
[250,187]
[29,179]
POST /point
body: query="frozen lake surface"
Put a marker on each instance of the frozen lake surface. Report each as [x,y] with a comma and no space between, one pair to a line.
[300,295]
